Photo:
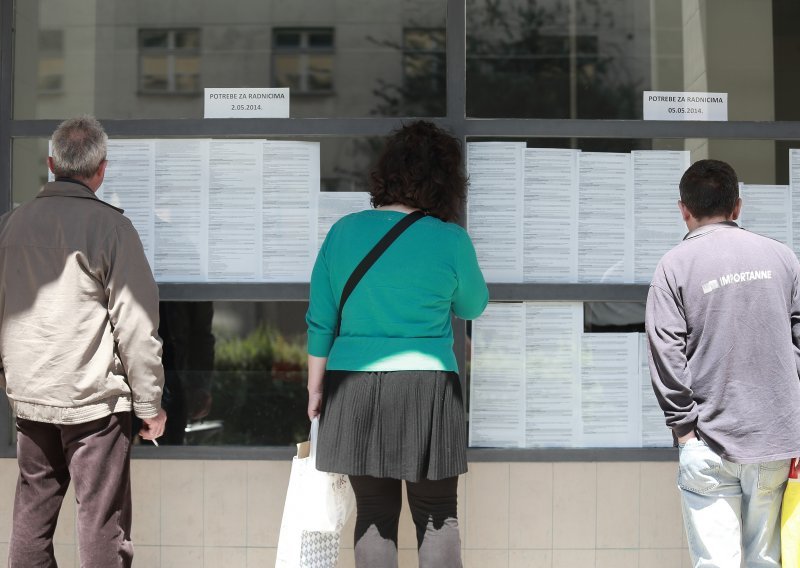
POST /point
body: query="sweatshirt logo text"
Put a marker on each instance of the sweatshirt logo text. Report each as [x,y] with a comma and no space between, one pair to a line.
[736,278]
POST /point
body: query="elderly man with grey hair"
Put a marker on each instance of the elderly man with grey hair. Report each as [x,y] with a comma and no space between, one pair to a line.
[79,350]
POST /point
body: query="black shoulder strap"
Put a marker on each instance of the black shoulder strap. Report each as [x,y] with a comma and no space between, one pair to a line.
[372,256]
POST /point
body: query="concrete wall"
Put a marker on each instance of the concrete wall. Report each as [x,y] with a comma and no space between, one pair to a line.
[208,514]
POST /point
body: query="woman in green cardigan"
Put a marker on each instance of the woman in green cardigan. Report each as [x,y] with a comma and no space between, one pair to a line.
[386,388]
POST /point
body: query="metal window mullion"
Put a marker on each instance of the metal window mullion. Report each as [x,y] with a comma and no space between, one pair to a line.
[455,87]
[456,61]
[293,291]
[7,449]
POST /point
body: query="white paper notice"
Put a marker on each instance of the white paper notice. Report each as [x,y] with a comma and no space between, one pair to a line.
[497,398]
[605,218]
[333,205]
[657,221]
[234,210]
[130,183]
[291,188]
[677,105]
[767,210]
[610,390]
[655,433]
[550,227]
[552,388]
[794,181]
[181,210]
[494,210]
[246,102]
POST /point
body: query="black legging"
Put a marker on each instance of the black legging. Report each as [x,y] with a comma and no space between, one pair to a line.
[433,507]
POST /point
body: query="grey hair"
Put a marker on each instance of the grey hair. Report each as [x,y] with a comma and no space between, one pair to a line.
[79,147]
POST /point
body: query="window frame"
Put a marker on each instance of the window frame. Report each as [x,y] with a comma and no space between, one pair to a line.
[462,127]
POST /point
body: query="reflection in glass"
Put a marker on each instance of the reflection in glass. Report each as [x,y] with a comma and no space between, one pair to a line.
[129,60]
[51,61]
[613,317]
[303,60]
[594,58]
[235,373]
[169,61]
[424,70]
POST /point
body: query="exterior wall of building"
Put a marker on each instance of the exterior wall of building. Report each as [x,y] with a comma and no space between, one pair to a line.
[209,514]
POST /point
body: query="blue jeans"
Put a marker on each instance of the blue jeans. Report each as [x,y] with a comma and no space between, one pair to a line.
[731,511]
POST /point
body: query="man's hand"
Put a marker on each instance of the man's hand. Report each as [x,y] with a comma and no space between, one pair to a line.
[153,428]
[686,437]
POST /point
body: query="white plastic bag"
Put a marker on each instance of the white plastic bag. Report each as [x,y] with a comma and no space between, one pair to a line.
[317,507]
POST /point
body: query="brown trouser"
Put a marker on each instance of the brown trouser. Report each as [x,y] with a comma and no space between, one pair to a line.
[96,456]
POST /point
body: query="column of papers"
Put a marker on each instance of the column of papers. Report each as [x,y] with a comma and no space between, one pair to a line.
[552,392]
[654,430]
[497,386]
[610,390]
[494,212]
[794,183]
[550,226]
[181,203]
[234,210]
[767,210]
[657,221]
[605,234]
[291,187]
[129,184]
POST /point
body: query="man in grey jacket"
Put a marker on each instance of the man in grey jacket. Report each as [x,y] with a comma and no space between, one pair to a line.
[723,324]
[79,349]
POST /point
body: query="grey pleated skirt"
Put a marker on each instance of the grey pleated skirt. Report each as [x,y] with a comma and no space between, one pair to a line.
[402,424]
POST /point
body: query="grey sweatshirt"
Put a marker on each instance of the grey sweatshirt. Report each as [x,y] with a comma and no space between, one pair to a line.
[723,325]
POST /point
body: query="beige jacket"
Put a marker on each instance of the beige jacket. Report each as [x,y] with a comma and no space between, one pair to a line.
[78,310]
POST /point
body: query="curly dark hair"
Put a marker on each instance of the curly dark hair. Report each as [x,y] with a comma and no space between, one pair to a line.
[421,166]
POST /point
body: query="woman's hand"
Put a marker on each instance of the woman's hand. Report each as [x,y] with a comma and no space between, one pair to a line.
[314,404]
[316,372]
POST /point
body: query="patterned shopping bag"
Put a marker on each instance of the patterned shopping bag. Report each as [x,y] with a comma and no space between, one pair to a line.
[316,509]
[319,549]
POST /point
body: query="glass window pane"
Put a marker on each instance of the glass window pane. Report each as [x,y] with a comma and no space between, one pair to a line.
[288,71]
[155,75]
[320,39]
[287,38]
[187,39]
[51,74]
[235,372]
[157,39]
[239,43]
[424,40]
[589,59]
[320,72]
